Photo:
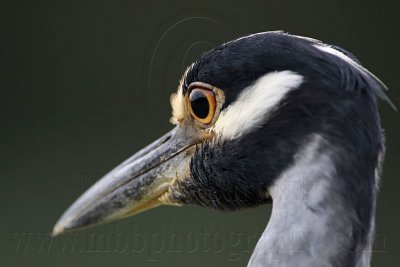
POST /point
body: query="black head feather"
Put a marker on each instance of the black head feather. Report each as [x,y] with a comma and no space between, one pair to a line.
[336,100]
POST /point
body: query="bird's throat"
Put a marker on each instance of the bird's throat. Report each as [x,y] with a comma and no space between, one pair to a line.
[313,221]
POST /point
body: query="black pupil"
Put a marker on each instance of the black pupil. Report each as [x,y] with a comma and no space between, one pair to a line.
[199,104]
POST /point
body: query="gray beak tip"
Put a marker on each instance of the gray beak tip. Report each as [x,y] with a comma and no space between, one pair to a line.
[62,226]
[58,229]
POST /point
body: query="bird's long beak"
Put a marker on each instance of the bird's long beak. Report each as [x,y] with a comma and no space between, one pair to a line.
[137,184]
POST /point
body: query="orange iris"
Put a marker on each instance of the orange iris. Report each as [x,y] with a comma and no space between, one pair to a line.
[202,105]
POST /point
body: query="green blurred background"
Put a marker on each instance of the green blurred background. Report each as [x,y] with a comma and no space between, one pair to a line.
[86,84]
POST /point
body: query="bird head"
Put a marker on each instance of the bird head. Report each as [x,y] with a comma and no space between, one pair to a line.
[241,112]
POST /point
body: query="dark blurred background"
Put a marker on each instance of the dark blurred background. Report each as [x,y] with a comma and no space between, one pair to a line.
[85,84]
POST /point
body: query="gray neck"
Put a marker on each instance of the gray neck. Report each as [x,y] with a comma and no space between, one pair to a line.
[312,224]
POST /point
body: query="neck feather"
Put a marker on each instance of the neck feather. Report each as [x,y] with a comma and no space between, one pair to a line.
[314,221]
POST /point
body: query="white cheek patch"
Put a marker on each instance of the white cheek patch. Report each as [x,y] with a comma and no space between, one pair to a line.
[251,108]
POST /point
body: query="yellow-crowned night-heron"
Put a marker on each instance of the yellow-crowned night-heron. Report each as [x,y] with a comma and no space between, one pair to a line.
[269,117]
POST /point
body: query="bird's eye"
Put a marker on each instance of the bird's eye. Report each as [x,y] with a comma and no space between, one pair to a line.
[202,105]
